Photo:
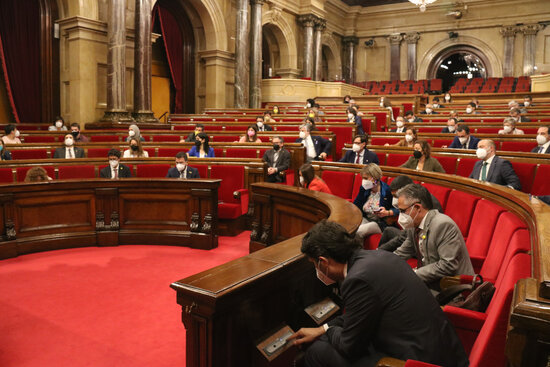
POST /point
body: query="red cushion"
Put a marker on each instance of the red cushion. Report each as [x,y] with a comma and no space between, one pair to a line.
[541,184]
[40,139]
[448,164]
[344,134]
[381,158]
[152,170]
[226,138]
[396,160]
[241,153]
[339,183]
[203,170]
[438,143]
[526,174]
[441,193]
[356,185]
[29,154]
[68,172]
[467,324]
[518,146]
[166,138]
[105,138]
[21,172]
[97,152]
[232,180]
[169,152]
[465,166]
[520,242]
[6,175]
[371,242]
[460,207]
[229,210]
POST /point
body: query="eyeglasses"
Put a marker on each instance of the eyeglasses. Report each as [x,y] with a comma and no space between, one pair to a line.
[407,208]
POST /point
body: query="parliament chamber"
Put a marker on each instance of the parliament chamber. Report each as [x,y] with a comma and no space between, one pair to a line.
[133,84]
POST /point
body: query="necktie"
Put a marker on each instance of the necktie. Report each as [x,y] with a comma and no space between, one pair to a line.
[70,153]
[540,149]
[417,245]
[181,174]
[484,171]
[356,158]
[116,173]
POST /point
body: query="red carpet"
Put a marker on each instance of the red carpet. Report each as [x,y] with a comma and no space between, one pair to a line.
[100,306]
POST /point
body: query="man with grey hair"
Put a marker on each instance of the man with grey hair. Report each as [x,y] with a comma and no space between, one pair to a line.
[492,168]
[317,148]
[432,237]
[277,159]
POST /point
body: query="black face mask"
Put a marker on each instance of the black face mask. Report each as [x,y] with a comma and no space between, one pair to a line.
[417,154]
[134,148]
[197,143]
[276,147]
[75,133]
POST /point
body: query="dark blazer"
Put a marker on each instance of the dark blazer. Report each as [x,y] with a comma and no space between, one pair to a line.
[6,155]
[534,150]
[430,165]
[500,172]
[359,125]
[282,164]
[266,127]
[389,308]
[321,144]
[368,157]
[472,144]
[123,172]
[394,130]
[425,113]
[445,130]
[194,152]
[385,201]
[191,173]
[191,137]
[524,119]
[61,153]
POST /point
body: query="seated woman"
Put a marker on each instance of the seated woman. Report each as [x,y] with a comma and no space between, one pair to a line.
[201,148]
[309,180]
[251,135]
[353,118]
[136,150]
[510,127]
[448,98]
[374,200]
[12,135]
[58,125]
[133,132]
[410,138]
[314,115]
[5,154]
[37,174]
[275,110]
[421,160]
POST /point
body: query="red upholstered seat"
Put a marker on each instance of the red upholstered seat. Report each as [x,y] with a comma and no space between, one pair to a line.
[203,170]
[382,158]
[356,186]
[40,139]
[21,172]
[29,154]
[448,163]
[218,152]
[465,166]
[6,175]
[241,153]
[152,170]
[541,184]
[371,242]
[441,193]
[68,172]
[235,128]
[382,141]
[339,183]
[526,174]
[518,146]
[169,152]
[97,152]
[460,207]
[484,219]
[344,135]
[286,128]
[395,160]
[166,138]
[150,151]
[438,143]
[226,138]
[232,177]
[105,138]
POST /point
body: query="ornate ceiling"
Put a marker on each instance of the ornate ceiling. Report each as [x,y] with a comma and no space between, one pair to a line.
[373,2]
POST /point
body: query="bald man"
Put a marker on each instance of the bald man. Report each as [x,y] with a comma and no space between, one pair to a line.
[493,169]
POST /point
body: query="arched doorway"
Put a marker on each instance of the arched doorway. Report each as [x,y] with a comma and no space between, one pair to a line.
[270,50]
[460,61]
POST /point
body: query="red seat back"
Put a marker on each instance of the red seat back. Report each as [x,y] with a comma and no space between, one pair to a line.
[526,174]
[441,193]
[241,153]
[105,139]
[40,139]
[232,180]
[166,138]
[518,146]
[152,170]
[438,143]
[382,141]
[226,138]
[395,160]
[356,185]
[448,164]
[339,183]
[21,172]
[203,170]
[344,135]
[460,207]
[465,166]
[68,172]
[381,158]
[6,175]
[97,152]
[29,154]
[541,184]
[169,152]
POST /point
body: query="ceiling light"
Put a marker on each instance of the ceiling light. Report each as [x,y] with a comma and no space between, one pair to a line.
[422,3]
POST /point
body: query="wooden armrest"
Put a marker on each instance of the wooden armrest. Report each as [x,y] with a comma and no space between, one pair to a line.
[446,282]
[390,362]
[238,193]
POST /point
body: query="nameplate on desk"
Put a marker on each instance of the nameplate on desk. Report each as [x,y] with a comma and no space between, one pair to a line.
[276,344]
[322,310]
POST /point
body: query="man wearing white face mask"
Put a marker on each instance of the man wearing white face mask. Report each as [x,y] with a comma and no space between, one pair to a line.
[509,127]
[355,119]
[317,147]
[543,141]
[359,154]
[374,200]
[400,125]
[389,311]
[492,168]
[471,108]
[451,126]
[69,151]
[463,139]
[433,238]
[410,117]
[12,135]
[115,169]
[429,110]
[182,170]
[262,126]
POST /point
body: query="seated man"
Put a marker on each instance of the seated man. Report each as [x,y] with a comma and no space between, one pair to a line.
[435,103]
[463,139]
[433,238]
[542,140]
[359,154]
[527,102]
[410,117]
[69,151]
[317,148]
[515,113]
[400,125]
[429,110]
[471,109]
[389,311]
[78,137]
[182,170]
[262,125]
[492,168]
[277,159]
[199,128]
[115,170]
[451,126]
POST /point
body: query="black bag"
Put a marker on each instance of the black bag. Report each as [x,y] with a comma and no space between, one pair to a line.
[478,299]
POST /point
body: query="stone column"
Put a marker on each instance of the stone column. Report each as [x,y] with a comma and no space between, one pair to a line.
[395,62]
[256,53]
[412,40]
[142,63]
[308,21]
[320,26]
[116,64]
[509,35]
[241,55]
[348,71]
[529,34]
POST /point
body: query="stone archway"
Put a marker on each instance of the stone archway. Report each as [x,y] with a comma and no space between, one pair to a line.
[332,53]
[282,43]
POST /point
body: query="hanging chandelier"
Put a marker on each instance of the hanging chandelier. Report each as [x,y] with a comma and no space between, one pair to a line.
[422,3]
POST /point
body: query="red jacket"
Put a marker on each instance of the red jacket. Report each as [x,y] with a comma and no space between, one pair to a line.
[318,185]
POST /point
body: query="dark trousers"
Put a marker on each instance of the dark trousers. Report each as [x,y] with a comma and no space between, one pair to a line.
[391,239]
[322,354]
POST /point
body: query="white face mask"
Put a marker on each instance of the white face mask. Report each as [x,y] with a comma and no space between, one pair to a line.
[408,138]
[17,133]
[259,124]
[406,221]
[131,133]
[481,153]
[308,105]
[451,128]
[381,104]
[447,98]
[541,140]
[367,184]
[58,124]
[429,110]
[394,202]
[302,181]
[507,128]
[69,142]
[435,105]
[302,135]
[411,119]
[468,109]
[180,166]
[399,123]
[526,103]
[322,277]
[463,140]
[113,163]
[350,116]
[356,148]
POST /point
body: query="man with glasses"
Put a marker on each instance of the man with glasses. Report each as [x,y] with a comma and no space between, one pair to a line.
[432,237]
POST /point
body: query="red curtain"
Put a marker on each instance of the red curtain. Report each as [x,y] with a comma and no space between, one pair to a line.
[173,43]
[20,53]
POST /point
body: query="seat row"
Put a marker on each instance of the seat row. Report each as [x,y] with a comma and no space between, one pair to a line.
[505,145]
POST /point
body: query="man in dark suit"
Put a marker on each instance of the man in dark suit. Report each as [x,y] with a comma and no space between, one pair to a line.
[277,159]
[492,168]
[182,170]
[261,124]
[451,126]
[463,139]
[399,125]
[69,151]
[199,128]
[115,170]
[516,114]
[389,311]
[410,117]
[317,147]
[542,141]
[359,154]
[429,110]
